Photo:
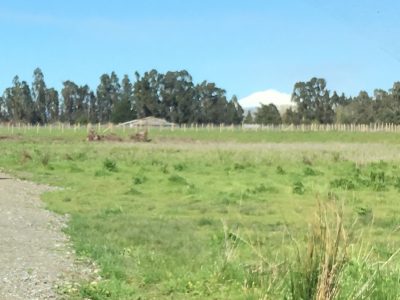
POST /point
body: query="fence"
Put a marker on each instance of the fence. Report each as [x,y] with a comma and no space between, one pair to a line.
[109,128]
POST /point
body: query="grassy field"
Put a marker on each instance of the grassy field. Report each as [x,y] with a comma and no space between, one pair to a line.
[224,215]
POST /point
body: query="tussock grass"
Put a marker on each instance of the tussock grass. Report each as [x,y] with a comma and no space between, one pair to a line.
[316,272]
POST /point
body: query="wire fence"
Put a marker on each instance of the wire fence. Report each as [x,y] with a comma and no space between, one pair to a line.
[109,128]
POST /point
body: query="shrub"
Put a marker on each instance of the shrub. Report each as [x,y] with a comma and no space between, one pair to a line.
[177,179]
[139,179]
[110,165]
[45,159]
[365,215]
[310,172]
[307,161]
[179,167]
[25,156]
[298,188]
[336,157]
[280,170]
[342,183]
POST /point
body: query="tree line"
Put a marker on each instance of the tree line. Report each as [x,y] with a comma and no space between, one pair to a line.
[172,96]
[314,103]
[175,97]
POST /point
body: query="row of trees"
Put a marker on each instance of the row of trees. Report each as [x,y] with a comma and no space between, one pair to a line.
[172,96]
[176,98]
[314,103]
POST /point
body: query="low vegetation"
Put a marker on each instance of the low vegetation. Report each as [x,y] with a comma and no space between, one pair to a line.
[188,217]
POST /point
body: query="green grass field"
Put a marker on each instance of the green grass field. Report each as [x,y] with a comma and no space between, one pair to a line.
[222,215]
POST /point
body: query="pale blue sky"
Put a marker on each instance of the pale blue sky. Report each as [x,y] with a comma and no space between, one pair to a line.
[243,46]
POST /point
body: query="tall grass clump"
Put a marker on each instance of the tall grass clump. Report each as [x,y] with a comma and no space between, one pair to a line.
[110,165]
[315,272]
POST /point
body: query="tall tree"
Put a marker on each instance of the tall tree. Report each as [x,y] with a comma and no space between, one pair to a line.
[81,110]
[39,96]
[313,101]
[249,118]
[213,103]
[147,94]
[70,97]
[52,105]
[3,110]
[125,110]
[359,110]
[93,110]
[268,114]
[291,116]
[178,96]
[18,101]
[234,112]
[108,93]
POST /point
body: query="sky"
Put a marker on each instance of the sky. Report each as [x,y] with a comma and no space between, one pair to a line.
[245,47]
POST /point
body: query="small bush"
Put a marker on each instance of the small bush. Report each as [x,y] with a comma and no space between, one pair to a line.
[378,180]
[280,170]
[45,159]
[177,179]
[139,179]
[298,188]
[307,161]
[110,165]
[164,169]
[336,157]
[342,183]
[179,167]
[238,166]
[205,222]
[310,172]
[25,156]
[377,176]
[397,183]
[365,215]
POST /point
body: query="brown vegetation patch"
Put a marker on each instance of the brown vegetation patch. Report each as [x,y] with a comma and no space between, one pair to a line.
[141,136]
[9,137]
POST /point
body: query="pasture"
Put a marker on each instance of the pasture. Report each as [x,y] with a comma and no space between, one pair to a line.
[223,215]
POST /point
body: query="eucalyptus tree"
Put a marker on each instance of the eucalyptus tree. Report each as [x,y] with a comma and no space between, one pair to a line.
[70,97]
[125,109]
[147,94]
[39,96]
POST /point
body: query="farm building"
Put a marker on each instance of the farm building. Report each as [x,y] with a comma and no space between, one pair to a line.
[148,122]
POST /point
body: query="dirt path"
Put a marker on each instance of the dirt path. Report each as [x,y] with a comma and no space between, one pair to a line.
[34,253]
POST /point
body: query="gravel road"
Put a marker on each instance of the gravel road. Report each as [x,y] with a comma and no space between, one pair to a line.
[35,256]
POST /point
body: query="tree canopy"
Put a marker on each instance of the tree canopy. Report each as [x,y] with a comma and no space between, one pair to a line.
[173,96]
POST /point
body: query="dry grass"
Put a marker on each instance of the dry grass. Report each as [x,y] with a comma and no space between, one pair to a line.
[316,272]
